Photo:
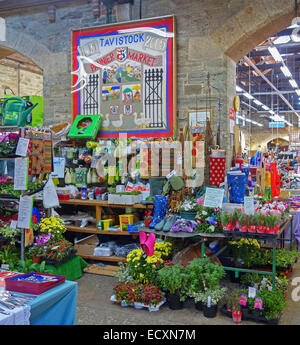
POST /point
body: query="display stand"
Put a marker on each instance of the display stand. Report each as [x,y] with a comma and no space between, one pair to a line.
[233,234]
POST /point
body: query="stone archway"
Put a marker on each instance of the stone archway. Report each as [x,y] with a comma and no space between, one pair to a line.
[54,66]
[27,46]
[252,25]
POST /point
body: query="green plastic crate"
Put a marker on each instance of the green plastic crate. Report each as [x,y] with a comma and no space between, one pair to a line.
[85,126]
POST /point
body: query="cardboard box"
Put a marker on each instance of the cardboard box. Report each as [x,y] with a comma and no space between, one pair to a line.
[87,245]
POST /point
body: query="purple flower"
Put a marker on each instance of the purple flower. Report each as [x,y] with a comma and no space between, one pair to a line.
[13,136]
[175,228]
[188,229]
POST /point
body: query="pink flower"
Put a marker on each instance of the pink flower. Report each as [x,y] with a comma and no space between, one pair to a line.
[200,201]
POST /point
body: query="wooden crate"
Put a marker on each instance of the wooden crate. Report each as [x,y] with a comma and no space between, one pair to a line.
[108,270]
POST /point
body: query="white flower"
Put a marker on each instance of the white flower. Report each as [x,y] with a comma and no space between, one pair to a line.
[211,228]
[204,213]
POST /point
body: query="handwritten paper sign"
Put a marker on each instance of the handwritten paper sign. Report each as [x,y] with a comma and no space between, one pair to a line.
[22,147]
[21,174]
[25,212]
[249,204]
[213,197]
[59,167]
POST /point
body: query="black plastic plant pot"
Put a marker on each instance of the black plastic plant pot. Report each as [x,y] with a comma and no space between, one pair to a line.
[272,321]
[199,306]
[210,312]
[174,302]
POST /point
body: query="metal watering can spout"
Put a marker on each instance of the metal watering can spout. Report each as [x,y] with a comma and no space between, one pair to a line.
[29,110]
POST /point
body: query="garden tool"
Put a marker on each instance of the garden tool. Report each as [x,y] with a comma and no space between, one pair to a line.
[160,208]
[16,111]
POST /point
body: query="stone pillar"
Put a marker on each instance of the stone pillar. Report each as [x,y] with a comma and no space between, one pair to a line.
[208,57]
[57,89]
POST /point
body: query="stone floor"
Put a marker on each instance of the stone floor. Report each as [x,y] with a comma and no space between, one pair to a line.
[94,307]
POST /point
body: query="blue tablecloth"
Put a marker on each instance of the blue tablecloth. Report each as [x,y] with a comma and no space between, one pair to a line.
[56,306]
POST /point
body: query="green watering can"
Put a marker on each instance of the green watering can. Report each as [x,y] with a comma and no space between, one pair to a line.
[16,112]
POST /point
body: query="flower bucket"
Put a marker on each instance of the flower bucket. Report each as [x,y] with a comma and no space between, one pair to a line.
[237,316]
[252,228]
[243,228]
[228,227]
[273,231]
[261,229]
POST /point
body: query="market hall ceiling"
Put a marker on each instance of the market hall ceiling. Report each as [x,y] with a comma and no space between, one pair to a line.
[250,81]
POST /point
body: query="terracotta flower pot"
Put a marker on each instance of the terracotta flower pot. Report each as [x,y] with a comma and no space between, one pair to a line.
[36,260]
[147,221]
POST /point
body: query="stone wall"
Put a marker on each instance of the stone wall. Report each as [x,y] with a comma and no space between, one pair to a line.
[260,136]
[24,83]
[211,36]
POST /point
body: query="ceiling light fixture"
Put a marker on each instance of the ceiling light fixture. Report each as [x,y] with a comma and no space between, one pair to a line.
[246,94]
[286,71]
[293,83]
[257,102]
[275,53]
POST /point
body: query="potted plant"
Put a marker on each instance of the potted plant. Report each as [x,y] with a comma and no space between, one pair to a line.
[262,224]
[36,252]
[235,218]
[254,223]
[236,308]
[54,226]
[147,218]
[226,220]
[189,208]
[125,293]
[272,224]
[210,299]
[174,280]
[273,304]
[243,227]
[9,255]
[151,296]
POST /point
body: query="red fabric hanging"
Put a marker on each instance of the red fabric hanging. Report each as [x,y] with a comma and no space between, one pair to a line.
[275,180]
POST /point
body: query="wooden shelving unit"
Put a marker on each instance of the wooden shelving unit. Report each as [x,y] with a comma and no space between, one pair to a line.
[99,204]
